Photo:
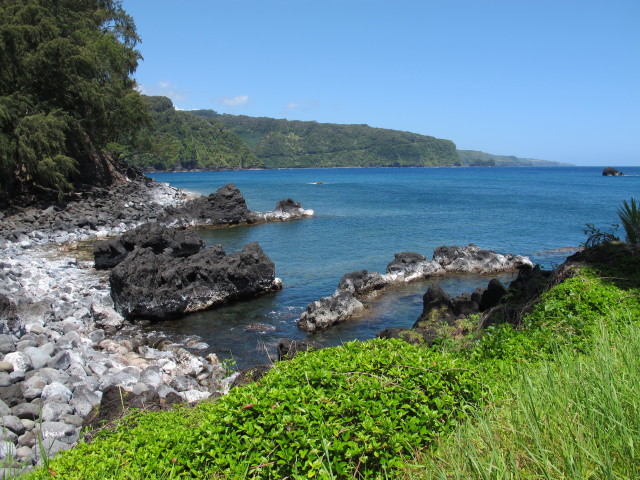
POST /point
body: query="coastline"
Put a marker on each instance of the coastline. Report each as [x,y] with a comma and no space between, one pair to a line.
[63,344]
[356,167]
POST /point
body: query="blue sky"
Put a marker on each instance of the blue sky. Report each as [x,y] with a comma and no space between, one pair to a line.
[556,80]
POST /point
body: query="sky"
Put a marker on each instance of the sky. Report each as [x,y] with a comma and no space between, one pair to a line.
[555,80]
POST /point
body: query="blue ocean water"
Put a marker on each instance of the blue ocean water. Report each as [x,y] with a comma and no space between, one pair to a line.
[365,216]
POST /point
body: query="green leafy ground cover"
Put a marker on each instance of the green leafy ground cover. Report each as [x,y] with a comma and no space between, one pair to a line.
[370,409]
[356,410]
[603,286]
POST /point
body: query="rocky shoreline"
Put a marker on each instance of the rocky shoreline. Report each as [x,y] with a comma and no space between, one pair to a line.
[63,345]
[356,288]
[69,359]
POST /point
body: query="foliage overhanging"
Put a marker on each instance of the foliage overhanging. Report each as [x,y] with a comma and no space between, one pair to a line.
[66,92]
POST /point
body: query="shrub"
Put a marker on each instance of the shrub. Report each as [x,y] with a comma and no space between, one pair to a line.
[350,411]
[630,218]
[566,315]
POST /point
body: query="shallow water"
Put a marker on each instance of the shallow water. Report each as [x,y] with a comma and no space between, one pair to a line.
[364,216]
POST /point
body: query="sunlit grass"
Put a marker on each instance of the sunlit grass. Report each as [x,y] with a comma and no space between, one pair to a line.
[577,417]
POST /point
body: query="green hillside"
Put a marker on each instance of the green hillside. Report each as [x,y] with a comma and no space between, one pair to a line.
[481,159]
[283,143]
[179,140]
[207,140]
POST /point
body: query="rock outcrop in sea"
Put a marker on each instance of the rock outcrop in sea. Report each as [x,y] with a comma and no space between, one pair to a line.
[443,316]
[226,206]
[161,286]
[612,172]
[350,297]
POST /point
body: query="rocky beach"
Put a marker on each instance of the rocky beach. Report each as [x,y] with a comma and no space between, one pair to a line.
[64,346]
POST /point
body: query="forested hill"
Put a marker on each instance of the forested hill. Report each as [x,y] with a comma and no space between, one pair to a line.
[207,140]
[482,159]
[179,140]
[284,143]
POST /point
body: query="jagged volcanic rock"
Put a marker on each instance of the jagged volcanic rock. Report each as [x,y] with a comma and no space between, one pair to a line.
[155,286]
[473,259]
[285,210]
[362,282]
[175,242]
[225,206]
[612,172]
[328,311]
[407,267]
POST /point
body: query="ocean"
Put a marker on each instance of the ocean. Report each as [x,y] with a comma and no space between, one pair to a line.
[365,216]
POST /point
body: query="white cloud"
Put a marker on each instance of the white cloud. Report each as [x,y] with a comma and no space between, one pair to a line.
[235,101]
[165,89]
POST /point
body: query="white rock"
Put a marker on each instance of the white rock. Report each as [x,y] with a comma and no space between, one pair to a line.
[19,360]
[194,395]
[7,449]
[56,388]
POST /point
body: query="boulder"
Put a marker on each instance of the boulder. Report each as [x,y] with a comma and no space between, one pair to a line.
[437,307]
[473,259]
[226,206]
[175,242]
[328,311]
[8,318]
[106,319]
[362,282]
[492,295]
[250,375]
[287,349]
[440,308]
[155,286]
[413,266]
[467,304]
[116,402]
[612,172]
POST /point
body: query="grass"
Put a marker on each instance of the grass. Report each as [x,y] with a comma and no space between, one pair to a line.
[577,417]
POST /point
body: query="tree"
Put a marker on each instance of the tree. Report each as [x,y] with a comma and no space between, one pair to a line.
[66,93]
[178,140]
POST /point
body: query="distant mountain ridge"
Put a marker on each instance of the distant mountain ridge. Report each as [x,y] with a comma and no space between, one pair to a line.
[208,140]
[482,159]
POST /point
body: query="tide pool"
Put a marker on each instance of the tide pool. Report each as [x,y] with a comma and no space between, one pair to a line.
[364,216]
